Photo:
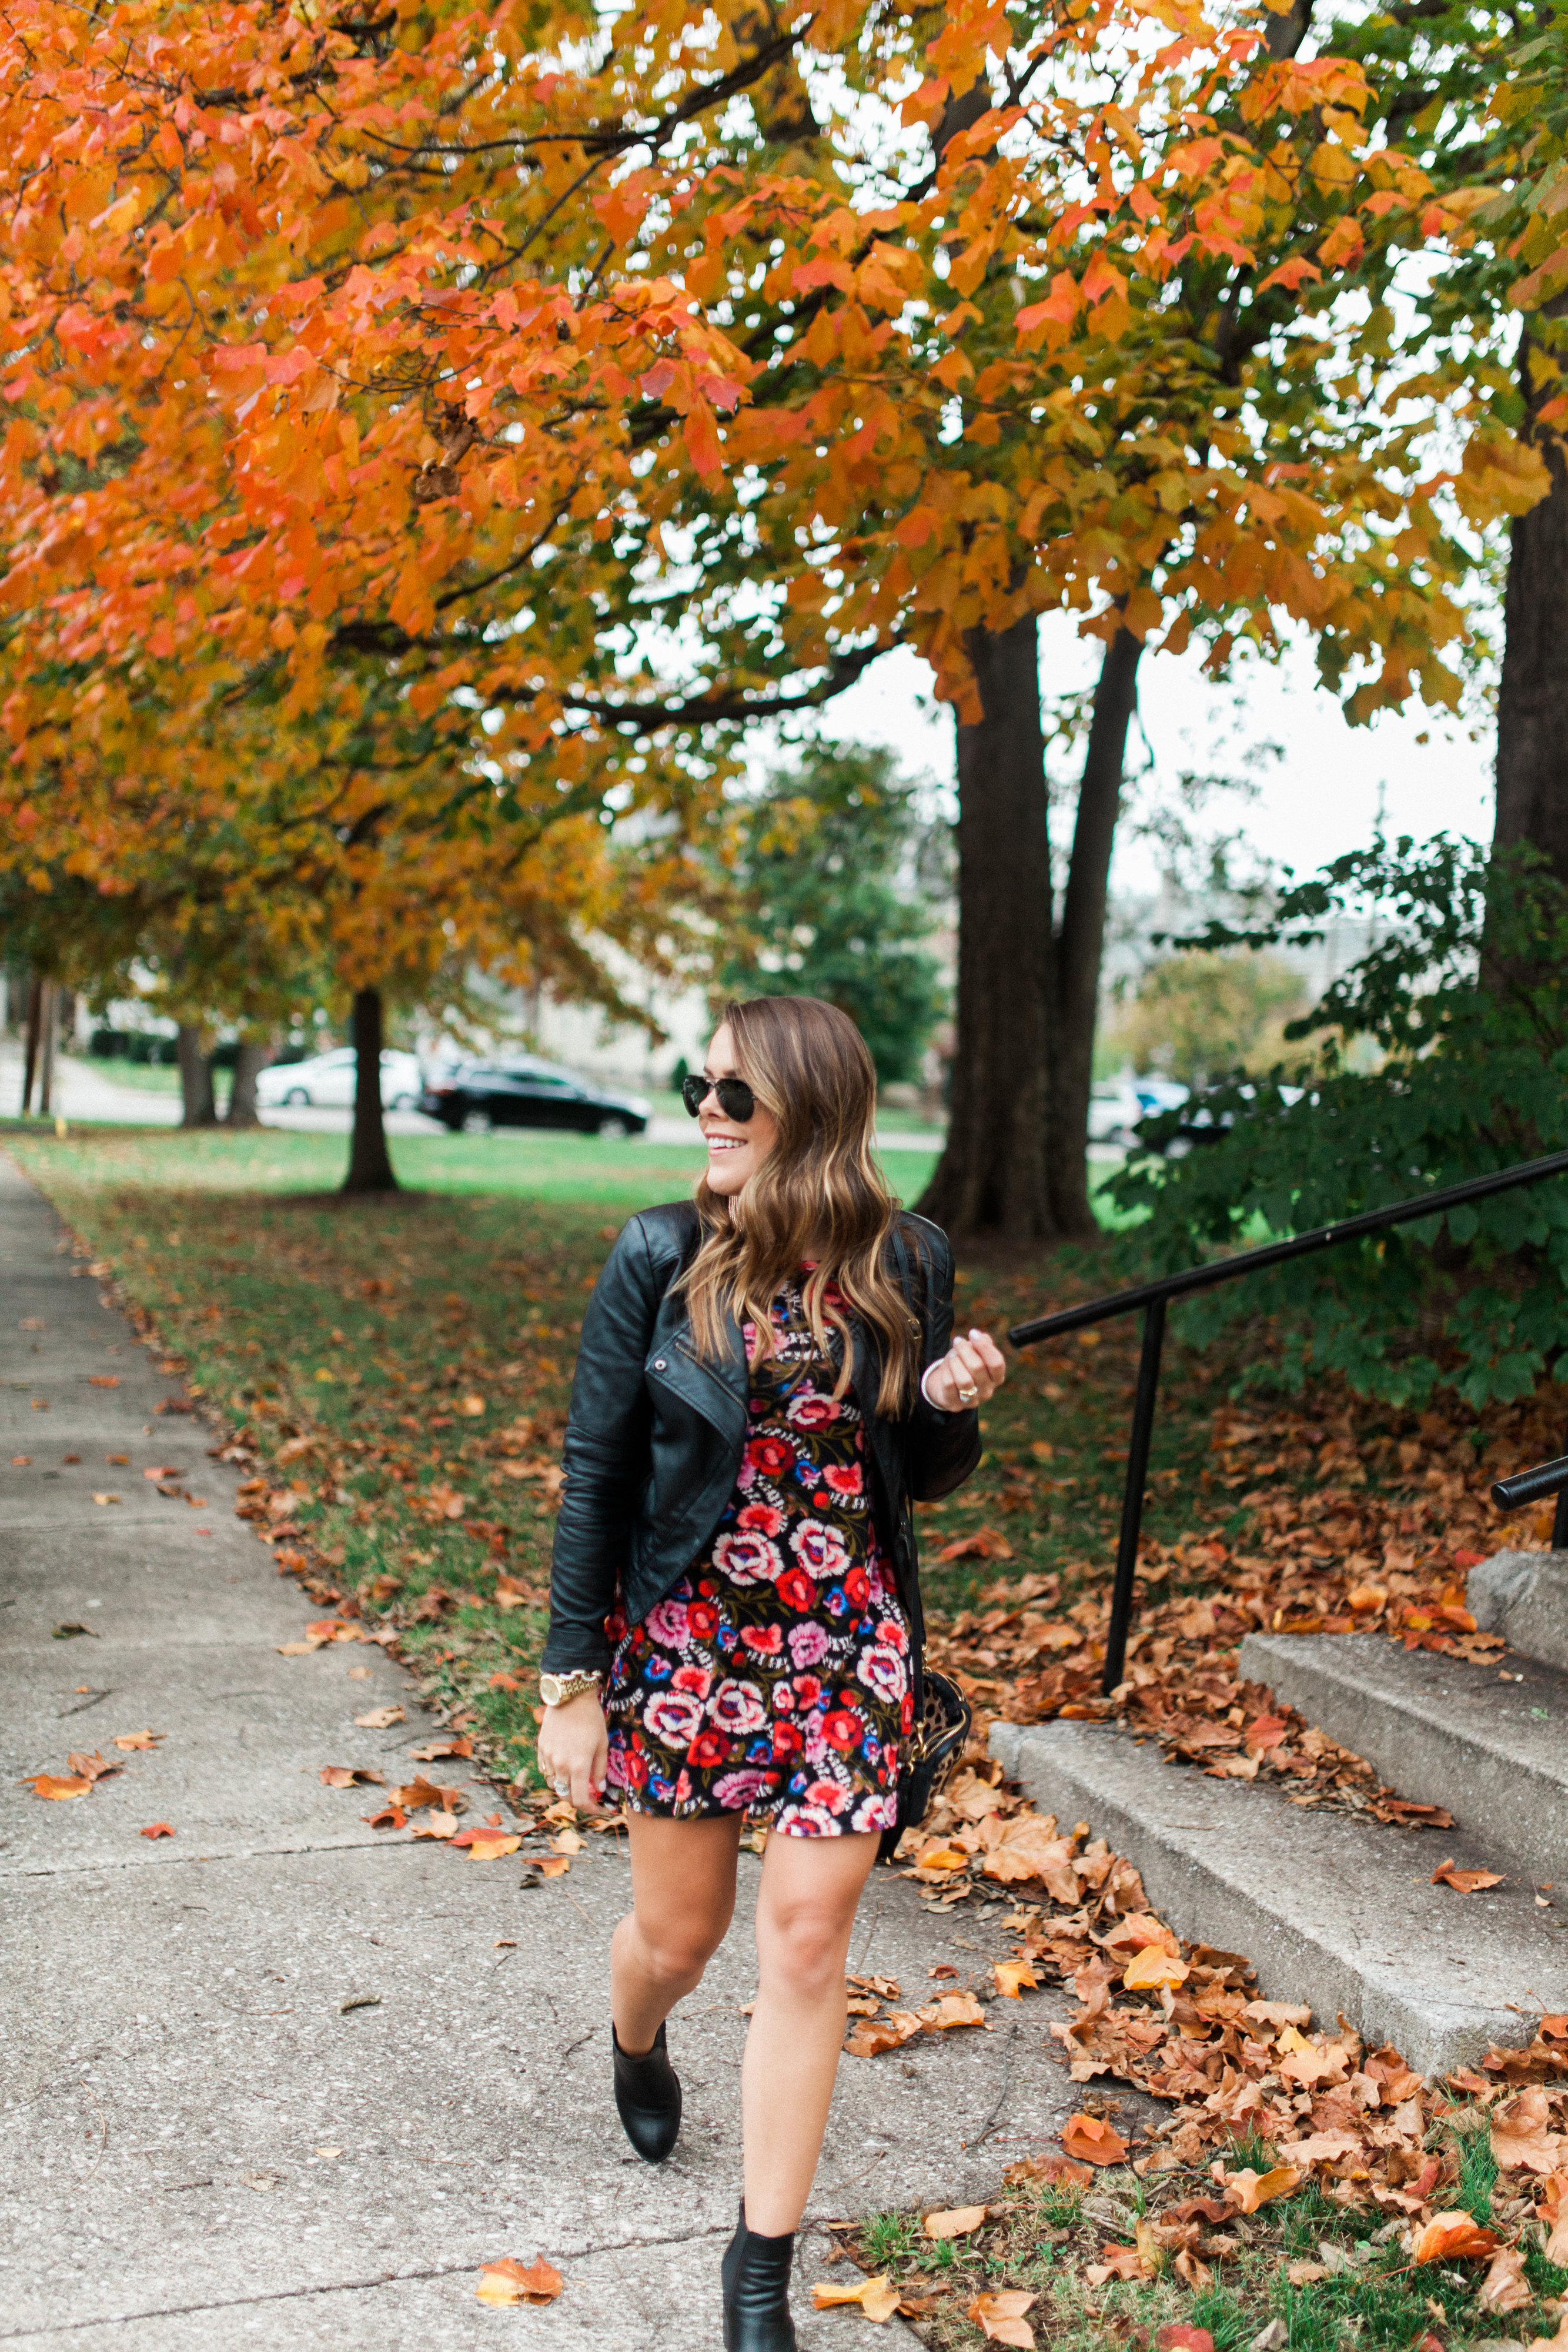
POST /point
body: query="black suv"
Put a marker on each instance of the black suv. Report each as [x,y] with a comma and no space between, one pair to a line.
[526,1092]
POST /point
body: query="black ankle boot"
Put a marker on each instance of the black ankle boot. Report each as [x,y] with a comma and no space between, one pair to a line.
[648,2098]
[756,2274]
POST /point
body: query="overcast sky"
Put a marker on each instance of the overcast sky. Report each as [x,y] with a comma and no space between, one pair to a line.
[1320,798]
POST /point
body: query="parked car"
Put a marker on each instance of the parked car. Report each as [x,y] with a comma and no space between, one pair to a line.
[1116,1105]
[328,1080]
[523,1092]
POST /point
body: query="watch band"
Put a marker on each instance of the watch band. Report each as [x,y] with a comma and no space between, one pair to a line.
[557,1689]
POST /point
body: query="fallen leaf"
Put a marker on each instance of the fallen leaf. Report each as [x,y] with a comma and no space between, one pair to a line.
[103,1380]
[140,1740]
[1558,2343]
[391,1817]
[1250,2189]
[956,2223]
[417,1794]
[487,1845]
[21,1461]
[445,1743]
[1465,1882]
[69,1632]
[553,1865]
[1002,2317]
[107,1498]
[1521,2134]
[1151,1967]
[165,1470]
[877,2298]
[441,1825]
[1504,2287]
[359,2000]
[511,2282]
[380,1718]
[1115,2262]
[157,1829]
[880,2034]
[89,1768]
[1306,2274]
[1013,1979]
[1092,2140]
[472,1406]
[346,1776]
[984,1544]
[1453,2236]
[953,2009]
[55,1787]
[1058,2169]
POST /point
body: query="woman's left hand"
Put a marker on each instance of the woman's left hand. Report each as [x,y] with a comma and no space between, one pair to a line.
[968,1375]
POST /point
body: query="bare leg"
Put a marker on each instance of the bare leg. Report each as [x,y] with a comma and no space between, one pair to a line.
[682,1898]
[804,1917]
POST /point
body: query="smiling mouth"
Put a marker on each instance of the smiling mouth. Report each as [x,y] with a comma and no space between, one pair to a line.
[725,1143]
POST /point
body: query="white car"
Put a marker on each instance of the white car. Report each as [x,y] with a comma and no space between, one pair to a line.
[327,1081]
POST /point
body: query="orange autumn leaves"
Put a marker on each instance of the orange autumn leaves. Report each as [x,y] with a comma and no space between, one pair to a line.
[83,1770]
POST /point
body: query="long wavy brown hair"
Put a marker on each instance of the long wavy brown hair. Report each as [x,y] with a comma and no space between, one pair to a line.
[818,1196]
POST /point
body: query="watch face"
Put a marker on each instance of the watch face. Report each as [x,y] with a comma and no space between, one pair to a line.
[549,1689]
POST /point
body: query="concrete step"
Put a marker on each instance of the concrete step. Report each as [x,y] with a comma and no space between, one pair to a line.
[1330,1907]
[1523,1596]
[1441,1731]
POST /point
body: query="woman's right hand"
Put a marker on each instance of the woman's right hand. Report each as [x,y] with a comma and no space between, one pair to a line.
[574,1747]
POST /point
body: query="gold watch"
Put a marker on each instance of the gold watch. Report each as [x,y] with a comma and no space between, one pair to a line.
[556,1689]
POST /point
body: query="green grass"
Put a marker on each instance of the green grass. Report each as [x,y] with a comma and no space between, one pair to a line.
[254,1268]
[1041,2239]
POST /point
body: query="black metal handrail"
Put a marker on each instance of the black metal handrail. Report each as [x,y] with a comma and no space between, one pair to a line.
[1533,1486]
[1153,1299]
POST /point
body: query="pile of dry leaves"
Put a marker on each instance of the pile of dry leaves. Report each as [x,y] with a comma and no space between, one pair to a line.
[1350,1556]
[1183,2022]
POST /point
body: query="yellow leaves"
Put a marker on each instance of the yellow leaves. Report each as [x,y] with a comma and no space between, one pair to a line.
[1464,1882]
[877,2298]
[1000,2315]
[510,2281]
[958,2222]
[1522,2137]
[1249,2189]
[1013,1978]
[58,1788]
[1152,1968]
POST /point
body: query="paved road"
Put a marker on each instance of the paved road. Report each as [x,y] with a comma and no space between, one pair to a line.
[202,2148]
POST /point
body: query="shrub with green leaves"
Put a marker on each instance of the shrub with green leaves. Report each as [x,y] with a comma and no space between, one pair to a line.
[1464,997]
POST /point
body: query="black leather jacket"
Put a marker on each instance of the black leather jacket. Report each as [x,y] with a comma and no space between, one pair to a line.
[655,1433]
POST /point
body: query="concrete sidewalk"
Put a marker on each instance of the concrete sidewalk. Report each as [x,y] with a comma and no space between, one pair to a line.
[204,2147]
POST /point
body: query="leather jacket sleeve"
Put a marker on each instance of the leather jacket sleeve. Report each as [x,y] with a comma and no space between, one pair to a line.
[944,1447]
[604,1457]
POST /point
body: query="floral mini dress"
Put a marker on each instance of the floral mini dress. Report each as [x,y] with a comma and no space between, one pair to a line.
[774,1679]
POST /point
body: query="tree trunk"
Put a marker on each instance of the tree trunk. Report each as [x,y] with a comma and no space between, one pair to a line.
[198,1105]
[990,1181]
[1081,943]
[369,1163]
[30,1055]
[248,1062]
[1532,694]
[48,1025]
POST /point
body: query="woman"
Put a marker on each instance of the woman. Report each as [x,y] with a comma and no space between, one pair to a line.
[767,1380]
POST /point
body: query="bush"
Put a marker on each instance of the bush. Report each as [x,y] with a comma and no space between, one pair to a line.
[1466,1001]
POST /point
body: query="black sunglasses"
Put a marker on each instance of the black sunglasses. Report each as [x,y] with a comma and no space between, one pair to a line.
[736,1099]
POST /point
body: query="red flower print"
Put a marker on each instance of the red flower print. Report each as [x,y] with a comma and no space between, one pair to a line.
[827,1793]
[795,1588]
[843,1728]
[767,1641]
[809,1411]
[709,1747]
[770,1454]
[787,1740]
[857,1584]
[695,1679]
[808,1690]
[845,1478]
[702,1621]
[747,1558]
[761,1518]
[818,1548]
